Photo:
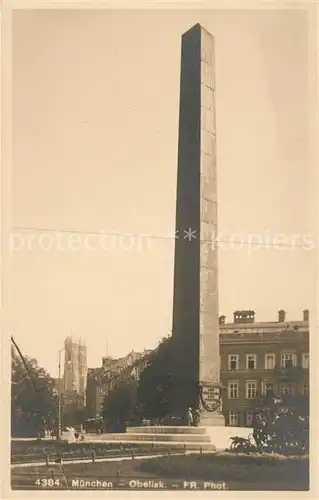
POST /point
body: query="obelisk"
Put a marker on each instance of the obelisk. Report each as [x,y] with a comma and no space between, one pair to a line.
[195,311]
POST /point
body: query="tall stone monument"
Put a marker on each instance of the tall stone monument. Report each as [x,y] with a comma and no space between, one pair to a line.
[195,311]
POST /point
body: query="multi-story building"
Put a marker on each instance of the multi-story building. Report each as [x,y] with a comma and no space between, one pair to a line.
[75,369]
[82,356]
[260,358]
[100,381]
[116,364]
[72,400]
[94,391]
[71,366]
[256,359]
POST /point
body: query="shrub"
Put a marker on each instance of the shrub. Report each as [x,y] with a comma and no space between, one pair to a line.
[281,425]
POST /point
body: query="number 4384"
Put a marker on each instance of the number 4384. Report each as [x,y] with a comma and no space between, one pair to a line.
[47,482]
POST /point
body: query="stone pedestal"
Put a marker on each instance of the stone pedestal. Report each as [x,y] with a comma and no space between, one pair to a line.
[211,420]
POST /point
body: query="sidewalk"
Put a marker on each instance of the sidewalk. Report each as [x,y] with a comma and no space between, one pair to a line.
[104,459]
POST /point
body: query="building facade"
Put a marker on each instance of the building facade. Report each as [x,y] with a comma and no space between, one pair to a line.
[82,356]
[261,358]
[256,359]
[75,370]
[94,391]
[100,381]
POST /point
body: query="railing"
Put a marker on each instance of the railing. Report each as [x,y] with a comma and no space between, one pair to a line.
[289,371]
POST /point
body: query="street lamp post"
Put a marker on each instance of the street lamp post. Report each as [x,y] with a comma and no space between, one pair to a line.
[59,395]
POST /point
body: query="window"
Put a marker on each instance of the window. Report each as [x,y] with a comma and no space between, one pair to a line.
[288,360]
[268,389]
[305,390]
[233,418]
[305,360]
[249,418]
[270,361]
[286,389]
[233,390]
[251,389]
[251,361]
[233,362]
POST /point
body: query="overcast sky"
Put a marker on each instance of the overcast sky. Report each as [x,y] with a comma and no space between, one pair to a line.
[95,124]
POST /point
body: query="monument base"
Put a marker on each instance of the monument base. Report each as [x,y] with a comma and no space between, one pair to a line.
[211,420]
[179,438]
[192,439]
[221,436]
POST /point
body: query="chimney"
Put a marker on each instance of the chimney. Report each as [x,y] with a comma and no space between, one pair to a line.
[222,320]
[306,315]
[281,316]
[244,316]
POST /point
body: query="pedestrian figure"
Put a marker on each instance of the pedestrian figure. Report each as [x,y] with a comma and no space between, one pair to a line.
[189,417]
[196,418]
[58,459]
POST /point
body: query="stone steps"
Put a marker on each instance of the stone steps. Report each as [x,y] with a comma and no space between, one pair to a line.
[158,429]
[155,437]
[194,438]
[182,437]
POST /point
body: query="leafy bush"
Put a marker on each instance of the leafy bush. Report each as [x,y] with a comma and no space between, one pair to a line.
[242,445]
[120,406]
[33,400]
[281,425]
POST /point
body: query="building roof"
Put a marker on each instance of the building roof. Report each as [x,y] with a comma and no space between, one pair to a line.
[264,327]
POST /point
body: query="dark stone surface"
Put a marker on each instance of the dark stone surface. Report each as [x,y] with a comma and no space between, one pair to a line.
[195,311]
